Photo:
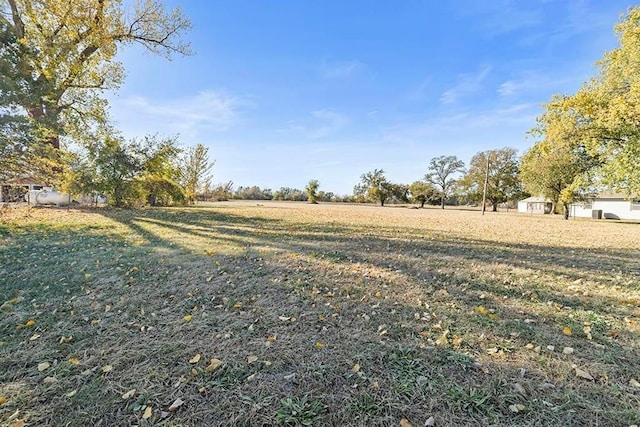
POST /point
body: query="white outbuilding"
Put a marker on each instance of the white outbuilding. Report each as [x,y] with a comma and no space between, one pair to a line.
[604,205]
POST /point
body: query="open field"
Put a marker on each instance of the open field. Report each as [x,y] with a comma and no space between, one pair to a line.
[244,314]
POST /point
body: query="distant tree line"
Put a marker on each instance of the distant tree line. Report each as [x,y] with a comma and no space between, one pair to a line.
[448,182]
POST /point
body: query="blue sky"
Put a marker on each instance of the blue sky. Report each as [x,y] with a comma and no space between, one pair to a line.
[286,91]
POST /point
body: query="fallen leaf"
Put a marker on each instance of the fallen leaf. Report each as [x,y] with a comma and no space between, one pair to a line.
[49,380]
[106,368]
[405,423]
[431,421]
[213,365]
[566,330]
[356,368]
[195,359]
[237,305]
[442,340]
[30,323]
[18,423]
[271,338]
[187,318]
[583,374]
[64,339]
[72,393]
[176,404]
[147,413]
[634,383]
[516,407]
[34,337]
[43,366]
[567,350]
[129,394]
[284,318]
[74,361]
[481,309]
[252,359]
[319,345]
[379,295]
[3,400]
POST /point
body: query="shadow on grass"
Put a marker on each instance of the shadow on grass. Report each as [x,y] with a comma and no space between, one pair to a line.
[392,303]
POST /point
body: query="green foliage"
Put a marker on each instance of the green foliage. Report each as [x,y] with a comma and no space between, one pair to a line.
[290,194]
[312,191]
[195,171]
[60,56]
[560,166]
[295,411]
[130,173]
[596,128]
[423,192]
[253,193]
[373,187]
[503,182]
[441,172]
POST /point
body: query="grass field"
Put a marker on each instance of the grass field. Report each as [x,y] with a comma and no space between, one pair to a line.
[245,314]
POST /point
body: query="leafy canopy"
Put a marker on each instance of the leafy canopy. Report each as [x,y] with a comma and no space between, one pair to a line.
[441,174]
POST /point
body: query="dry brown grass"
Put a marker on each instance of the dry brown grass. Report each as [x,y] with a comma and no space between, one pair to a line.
[320,314]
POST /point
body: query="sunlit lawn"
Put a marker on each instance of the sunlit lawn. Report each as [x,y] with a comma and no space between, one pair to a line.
[280,313]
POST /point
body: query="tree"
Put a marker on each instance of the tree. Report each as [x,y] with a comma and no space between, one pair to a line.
[373,186]
[221,192]
[503,183]
[129,173]
[196,168]
[422,192]
[399,193]
[62,55]
[160,171]
[596,129]
[253,193]
[312,191]
[440,176]
[561,172]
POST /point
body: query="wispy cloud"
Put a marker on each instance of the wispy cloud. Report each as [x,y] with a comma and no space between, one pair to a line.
[495,18]
[467,84]
[530,83]
[324,123]
[341,69]
[500,122]
[208,109]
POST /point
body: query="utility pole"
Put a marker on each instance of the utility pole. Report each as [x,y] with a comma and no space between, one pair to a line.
[486,183]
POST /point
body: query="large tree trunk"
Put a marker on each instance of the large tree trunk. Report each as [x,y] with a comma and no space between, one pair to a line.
[422,203]
[442,201]
[494,206]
